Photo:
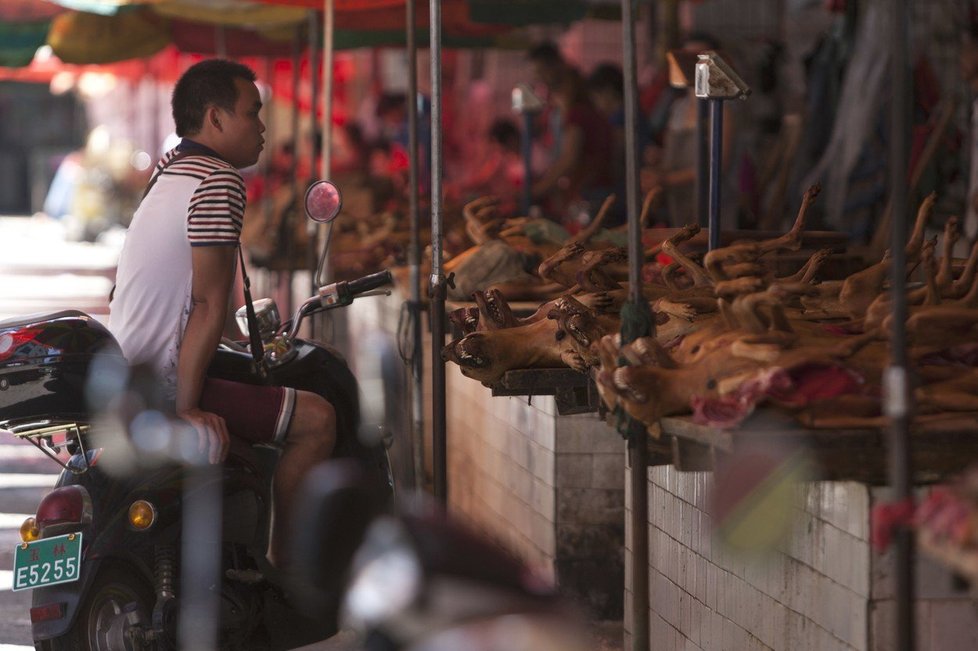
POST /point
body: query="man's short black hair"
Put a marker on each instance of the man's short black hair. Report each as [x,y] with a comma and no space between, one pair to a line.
[205,83]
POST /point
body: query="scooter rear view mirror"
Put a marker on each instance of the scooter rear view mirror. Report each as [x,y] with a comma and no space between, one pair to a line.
[323,202]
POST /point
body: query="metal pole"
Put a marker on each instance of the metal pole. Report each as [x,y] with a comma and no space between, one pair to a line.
[438,283]
[414,255]
[329,52]
[637,437]
[268,201]
[527,146]
[314,231]
[635,257]
[312,257]
[897,381]
[716,159]
[294,166]
[702,163]
[327,123]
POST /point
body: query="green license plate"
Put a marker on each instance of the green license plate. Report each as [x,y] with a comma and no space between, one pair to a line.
[47,562]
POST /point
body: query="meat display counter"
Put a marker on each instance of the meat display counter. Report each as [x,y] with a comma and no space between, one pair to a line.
[940,448]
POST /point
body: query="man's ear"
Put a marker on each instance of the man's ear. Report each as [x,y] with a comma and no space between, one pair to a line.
[212,117]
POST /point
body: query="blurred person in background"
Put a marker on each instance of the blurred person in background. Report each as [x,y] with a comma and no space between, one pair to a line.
[500,173]
[671,166]
[96,189]
[579,176]
[392,116]
[607,90]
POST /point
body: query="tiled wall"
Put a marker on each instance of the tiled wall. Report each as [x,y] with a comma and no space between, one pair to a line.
[590,499]
[547,486]
[823,589]
[502,467]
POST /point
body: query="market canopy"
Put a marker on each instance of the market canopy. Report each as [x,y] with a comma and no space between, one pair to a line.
[499,12]
[108,31]
[23,28]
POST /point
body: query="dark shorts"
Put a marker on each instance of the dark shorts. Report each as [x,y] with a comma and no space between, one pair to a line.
[257,414]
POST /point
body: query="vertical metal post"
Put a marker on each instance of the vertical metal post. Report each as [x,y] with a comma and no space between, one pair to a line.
[329,30]
[327,123]
[716,161]
[294,167]
[897,380]
[637,436]
[271,133]
[414,254]
[635,257]
[527,146]
[702,163]
[312,257]
[438,284]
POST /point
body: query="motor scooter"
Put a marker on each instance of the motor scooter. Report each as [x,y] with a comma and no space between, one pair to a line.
[104,551]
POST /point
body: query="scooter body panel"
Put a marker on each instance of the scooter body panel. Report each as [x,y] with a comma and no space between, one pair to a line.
[109,535]
[44,362]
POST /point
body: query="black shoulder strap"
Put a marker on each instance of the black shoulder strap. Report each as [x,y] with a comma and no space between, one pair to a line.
[177,156]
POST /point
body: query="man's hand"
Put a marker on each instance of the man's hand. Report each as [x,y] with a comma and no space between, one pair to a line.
[212,433]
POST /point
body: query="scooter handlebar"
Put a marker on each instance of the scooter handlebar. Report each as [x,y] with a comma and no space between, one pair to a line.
[338,294]
[367,283]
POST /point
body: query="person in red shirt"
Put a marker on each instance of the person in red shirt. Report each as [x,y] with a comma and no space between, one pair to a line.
[500,173]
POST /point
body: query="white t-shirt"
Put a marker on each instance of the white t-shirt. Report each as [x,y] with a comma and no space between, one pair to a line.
[198,200]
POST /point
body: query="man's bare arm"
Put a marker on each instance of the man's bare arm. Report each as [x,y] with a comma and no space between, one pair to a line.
[213,273]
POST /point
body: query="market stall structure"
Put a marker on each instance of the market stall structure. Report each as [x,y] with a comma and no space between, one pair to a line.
[549,481]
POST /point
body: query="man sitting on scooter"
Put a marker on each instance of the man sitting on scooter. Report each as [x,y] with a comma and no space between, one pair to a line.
[175,276]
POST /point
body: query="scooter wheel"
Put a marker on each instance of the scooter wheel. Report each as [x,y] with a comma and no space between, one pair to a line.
[118,600]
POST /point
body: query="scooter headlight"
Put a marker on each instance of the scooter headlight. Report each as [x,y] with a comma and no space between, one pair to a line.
[266,312]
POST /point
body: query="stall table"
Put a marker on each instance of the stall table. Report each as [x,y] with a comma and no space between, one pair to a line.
[940,448]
